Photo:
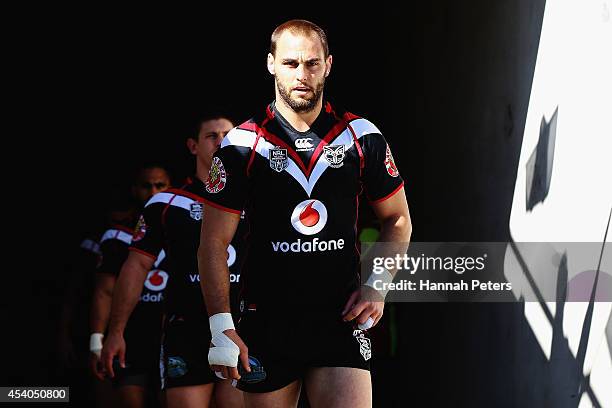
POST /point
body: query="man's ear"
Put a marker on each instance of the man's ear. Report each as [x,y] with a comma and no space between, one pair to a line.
[271,64]
[328,65]
[192,145]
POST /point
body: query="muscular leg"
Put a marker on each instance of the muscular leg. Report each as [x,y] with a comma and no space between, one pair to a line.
[286,397]
[197,396]
[338,387]
[227,396]
[131,396]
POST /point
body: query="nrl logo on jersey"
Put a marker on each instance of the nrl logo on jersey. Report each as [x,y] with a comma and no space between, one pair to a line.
[195,211]
[278,159]
[334,155]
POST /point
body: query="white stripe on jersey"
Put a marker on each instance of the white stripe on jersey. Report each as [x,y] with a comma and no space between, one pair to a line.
[117,234]
[246,138]
[174,199]
[361,127]
[239,137]
[160,258]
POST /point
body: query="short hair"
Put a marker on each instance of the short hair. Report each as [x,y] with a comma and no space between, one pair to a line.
[303,27]
[194,132]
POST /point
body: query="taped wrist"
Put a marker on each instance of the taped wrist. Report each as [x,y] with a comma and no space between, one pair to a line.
[95,343]
[223,351]
[380,282]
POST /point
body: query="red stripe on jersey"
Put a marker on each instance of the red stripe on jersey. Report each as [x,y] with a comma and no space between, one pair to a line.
[140,251]
[333,132]
[261,131]
[380,200]
[220,207]
[184,193]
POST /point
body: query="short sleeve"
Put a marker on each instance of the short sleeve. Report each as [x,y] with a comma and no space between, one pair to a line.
[227,185]
[381,178]
[148,234]
[114,245]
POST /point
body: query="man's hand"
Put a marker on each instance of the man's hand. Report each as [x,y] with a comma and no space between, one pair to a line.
[95,365]
[363,304]
[231,372]
[113,346]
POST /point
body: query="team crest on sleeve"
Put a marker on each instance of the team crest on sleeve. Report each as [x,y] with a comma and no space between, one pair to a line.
[195,210]
[334,155]
[390,164]
[278,159]
[140,230]
[217,177]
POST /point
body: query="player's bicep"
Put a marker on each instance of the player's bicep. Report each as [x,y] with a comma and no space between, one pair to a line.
[394,209]
[218,226]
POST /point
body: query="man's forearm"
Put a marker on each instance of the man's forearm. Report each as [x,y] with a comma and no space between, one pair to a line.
[214,276]
[126,295]
[100,310]
[101,302]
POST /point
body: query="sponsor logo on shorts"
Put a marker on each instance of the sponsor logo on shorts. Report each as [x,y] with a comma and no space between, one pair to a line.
[304,144]
[156,280]
[176,367]
[365,345]
[278,159]
[309,217]
[140,231]
[334,155]
[390,164]
[217,177]
[195,211]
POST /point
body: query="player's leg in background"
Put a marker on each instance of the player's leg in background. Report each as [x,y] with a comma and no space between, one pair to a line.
[286,397]
[338,387]
[196,396]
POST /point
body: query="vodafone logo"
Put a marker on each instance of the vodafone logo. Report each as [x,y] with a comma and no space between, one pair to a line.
[309,217]
[231,255]
[156,280]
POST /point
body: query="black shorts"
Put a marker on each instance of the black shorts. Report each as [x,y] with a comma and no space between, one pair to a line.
[142,361]
[185,353]
[287,346]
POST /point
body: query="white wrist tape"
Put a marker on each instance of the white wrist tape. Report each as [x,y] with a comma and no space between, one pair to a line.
[95,343]
[380,282]
[367,325]
[224,351]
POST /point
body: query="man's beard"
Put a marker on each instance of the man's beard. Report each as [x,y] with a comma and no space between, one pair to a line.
[301,105]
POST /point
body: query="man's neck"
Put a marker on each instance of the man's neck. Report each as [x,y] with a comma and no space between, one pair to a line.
[202,172]
[301,121]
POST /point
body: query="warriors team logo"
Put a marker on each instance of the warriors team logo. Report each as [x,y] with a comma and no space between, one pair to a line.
[140,230]
[334,155]
[365,345]
[309,217]
[195,211]
[278,159]
[156,280]
[217,177]
[390,164]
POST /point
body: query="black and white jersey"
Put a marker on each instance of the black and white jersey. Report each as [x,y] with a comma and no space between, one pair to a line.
[171,221]
[301,191]
[146,316]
